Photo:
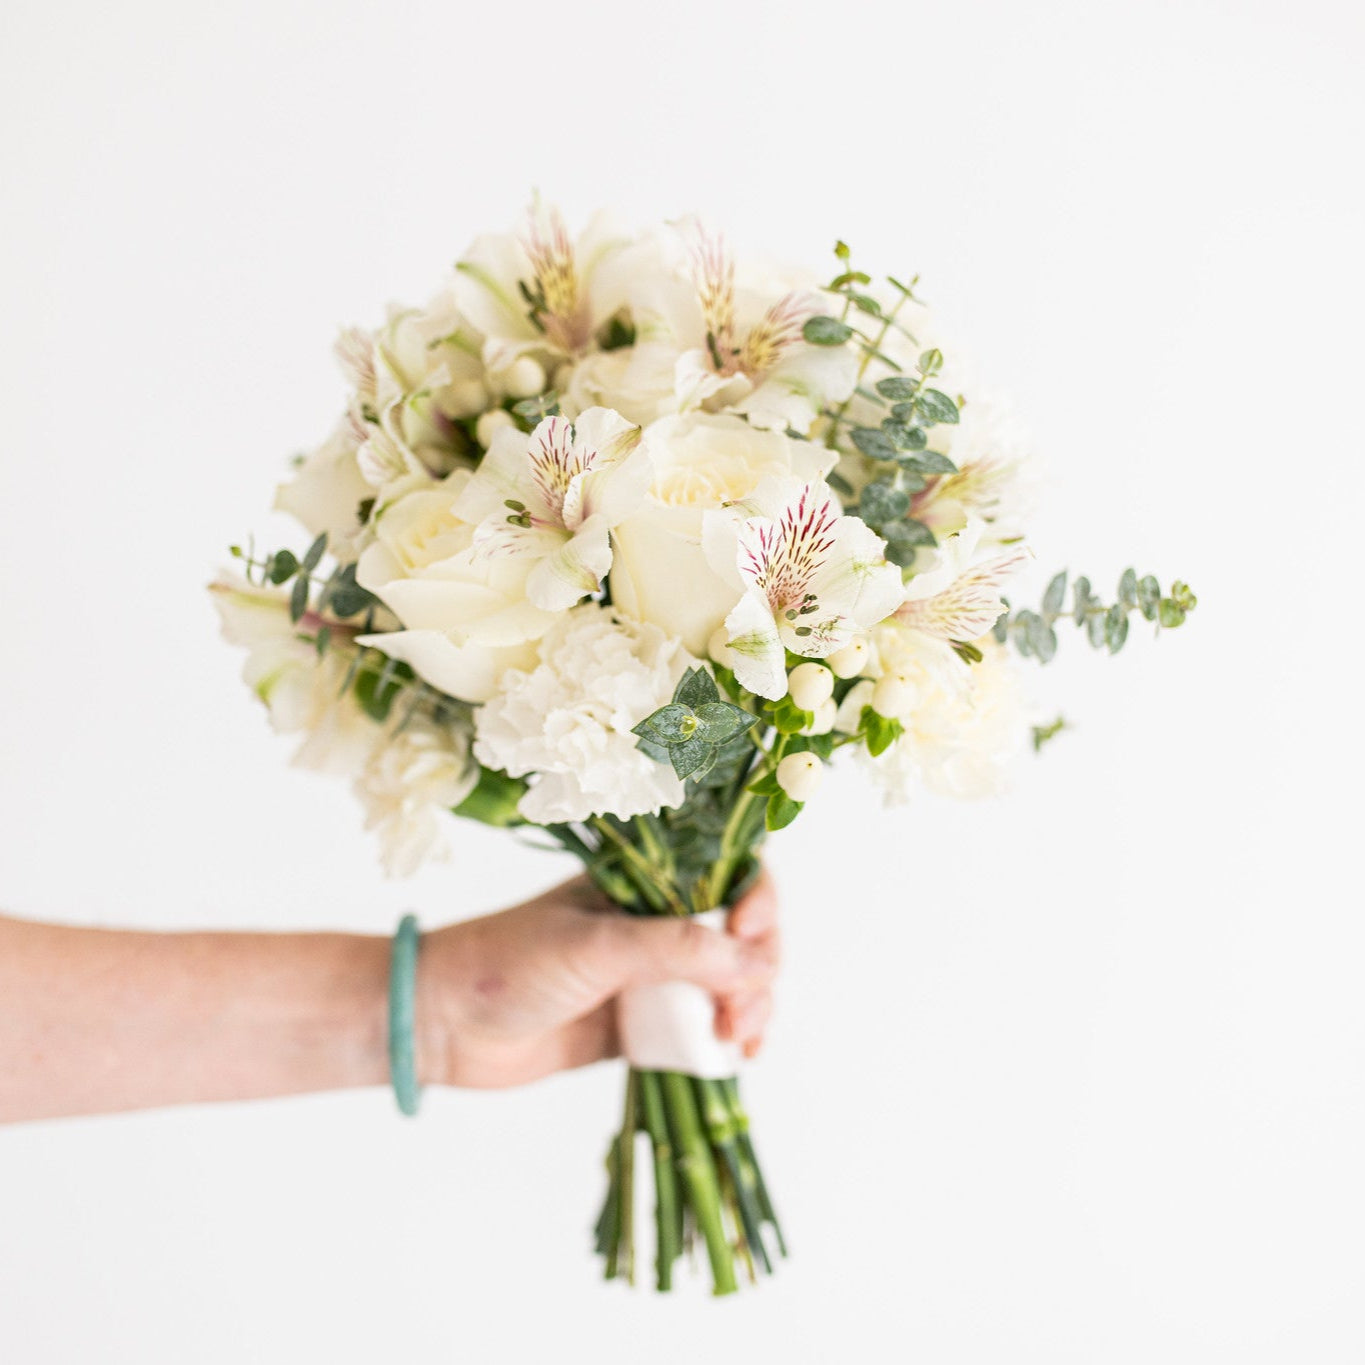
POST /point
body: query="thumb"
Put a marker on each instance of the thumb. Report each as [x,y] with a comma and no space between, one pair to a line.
[651,950]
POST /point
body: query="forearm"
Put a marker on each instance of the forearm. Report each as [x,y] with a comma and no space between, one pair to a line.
[93,1021]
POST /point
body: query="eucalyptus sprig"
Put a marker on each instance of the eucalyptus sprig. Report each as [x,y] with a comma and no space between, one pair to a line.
[1034,635]
[328,607]
[339,596]
[899,445]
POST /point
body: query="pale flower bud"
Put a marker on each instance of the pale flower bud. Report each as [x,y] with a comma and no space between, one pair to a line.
[850,661]
[809,685]
[523,378]
[894,696]
[467,398]
[490,423]
[718,647]
[799,775]
[824,717]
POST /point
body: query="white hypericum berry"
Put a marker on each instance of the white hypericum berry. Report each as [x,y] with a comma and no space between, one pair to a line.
[799,775]
[490,423]
[893,696]
[809,685]
[524,378]
[850,661]
[825,715]
[718,647]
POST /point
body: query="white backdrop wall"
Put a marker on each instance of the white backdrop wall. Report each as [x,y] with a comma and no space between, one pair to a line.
[1107,1103]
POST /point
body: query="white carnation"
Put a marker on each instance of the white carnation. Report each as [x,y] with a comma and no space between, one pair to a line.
[964,726]
[567,722]
[417,773]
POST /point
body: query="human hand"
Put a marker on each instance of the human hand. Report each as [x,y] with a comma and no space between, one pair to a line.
[529,991]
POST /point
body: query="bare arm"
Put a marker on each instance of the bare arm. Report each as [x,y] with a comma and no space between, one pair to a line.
[97,1020]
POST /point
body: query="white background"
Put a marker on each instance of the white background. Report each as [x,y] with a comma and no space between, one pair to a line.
[1075,1076]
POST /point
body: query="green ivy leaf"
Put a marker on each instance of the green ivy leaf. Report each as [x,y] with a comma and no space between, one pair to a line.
[823,331]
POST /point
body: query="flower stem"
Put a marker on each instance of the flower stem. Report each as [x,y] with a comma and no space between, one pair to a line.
[698,1171]
[721,1130]
[730,1090]
[668,1207]
[626,1165]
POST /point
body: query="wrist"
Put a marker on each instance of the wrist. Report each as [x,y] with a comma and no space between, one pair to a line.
[433,1025]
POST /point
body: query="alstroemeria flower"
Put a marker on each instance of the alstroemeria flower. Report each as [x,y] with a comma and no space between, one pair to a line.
[739,348]
[539,291]
[551,498]
[413,380]
[959,597]
[812,579]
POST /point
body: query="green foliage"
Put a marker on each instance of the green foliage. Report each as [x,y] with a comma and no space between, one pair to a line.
[298,598]
[530,412]
[281,567]
[379,682]
[1043,733]
[1106,625]
[878,732]
[781,810]
[692,731]
[787,717]
[494,800]
[822,331]
[616,334]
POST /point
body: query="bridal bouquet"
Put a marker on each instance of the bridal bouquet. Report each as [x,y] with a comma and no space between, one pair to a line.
[623,540]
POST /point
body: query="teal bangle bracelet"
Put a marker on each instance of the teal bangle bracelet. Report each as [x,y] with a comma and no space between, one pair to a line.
[402,1008]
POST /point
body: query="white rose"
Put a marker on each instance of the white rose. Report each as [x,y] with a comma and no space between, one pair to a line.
[465,614]
[700,462]
[567,722]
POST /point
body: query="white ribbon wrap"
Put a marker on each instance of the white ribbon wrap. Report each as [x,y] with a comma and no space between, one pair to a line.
[672,1026]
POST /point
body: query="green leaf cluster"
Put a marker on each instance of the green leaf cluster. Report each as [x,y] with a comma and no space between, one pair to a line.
[692,731]
[1034,634]
[339,595]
